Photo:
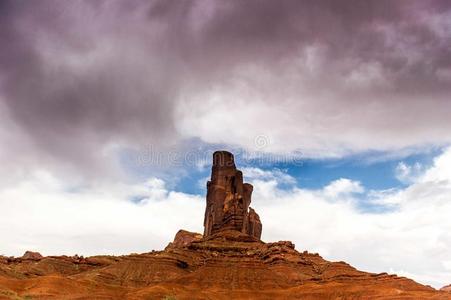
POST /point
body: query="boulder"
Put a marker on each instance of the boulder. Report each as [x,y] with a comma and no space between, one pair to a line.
[184,238]
[30,255]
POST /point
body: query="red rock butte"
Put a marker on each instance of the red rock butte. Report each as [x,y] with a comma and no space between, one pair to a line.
[228,262]
[228,199]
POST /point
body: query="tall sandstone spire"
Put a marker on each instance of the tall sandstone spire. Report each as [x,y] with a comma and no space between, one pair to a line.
[228,199]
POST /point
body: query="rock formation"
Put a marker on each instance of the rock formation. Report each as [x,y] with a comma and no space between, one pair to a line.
[184,238]
[32,255]
[228,262]
[446,288]
[228,200]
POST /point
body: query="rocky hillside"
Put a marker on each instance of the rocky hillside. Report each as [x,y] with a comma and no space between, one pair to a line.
[227,265]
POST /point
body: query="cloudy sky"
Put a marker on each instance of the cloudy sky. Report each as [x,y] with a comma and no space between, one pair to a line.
[338,112]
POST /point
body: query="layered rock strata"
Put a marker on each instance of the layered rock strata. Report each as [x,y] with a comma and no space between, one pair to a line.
[228,199]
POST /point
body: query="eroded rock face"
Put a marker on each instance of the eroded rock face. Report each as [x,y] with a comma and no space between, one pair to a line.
[228,199]
[446,288]
[184,238]
[30,255]
[227,265]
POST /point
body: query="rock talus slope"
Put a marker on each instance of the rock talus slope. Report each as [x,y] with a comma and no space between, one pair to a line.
[229,261]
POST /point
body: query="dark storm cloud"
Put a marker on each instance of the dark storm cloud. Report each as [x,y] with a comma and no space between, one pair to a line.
[82,75]
[76,80]
[357,30]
